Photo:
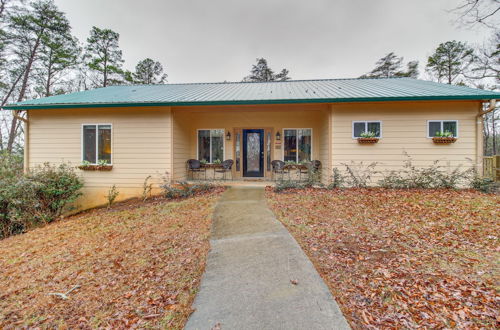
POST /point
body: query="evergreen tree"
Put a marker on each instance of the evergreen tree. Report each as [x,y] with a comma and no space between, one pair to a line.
[149,72]
[262,72]
[450,60]
[391,66]
[104,56]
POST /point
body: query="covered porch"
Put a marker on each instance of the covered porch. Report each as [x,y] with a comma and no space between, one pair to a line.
[252,136]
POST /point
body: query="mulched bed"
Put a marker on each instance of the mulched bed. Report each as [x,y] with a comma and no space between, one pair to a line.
[134,265]
[402,258]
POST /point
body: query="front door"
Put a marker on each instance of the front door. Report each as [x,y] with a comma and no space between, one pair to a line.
[253,152]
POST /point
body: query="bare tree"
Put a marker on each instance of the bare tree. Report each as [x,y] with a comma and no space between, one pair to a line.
[483,12]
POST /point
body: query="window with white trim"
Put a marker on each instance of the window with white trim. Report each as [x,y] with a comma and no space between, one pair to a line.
[435,127]
[359,127]
[297,144]
[96,143]
[211,145]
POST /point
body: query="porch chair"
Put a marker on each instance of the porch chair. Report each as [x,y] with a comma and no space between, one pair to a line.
[227,166]
[312,167]
[194,166]
[278,167]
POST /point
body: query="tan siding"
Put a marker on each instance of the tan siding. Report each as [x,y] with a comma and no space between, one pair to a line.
[181,146]
[141,146]
[325,146]
[404,128]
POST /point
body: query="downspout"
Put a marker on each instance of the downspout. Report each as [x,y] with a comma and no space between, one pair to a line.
[479,134]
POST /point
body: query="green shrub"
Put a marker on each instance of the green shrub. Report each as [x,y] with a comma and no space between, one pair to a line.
[338,180]
[359,175]
[283,185]
[112,194]
[27,200]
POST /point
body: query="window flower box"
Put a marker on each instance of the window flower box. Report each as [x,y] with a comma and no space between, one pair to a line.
[95,167]
[367,140]
[443,139]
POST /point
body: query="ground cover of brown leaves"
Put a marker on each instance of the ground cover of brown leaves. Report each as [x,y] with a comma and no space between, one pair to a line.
[135,265]
[402,259]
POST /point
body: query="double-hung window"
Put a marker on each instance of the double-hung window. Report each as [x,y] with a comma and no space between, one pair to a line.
[436,127]
[360,127]
[297,144]
[211,145]
[96,143]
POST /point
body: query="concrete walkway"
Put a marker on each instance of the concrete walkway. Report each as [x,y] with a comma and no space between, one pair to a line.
[247,282]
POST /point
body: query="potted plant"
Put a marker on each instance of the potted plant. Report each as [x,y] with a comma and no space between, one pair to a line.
[445,137]
[102,165]
[217,162]
[368,137]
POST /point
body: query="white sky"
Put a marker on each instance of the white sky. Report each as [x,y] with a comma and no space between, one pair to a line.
[217,40]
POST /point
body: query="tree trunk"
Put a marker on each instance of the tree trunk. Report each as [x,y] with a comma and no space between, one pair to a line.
[24,86]
[493,133]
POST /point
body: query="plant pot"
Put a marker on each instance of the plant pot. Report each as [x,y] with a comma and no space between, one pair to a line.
[444,140]
[367,140]
[95,167]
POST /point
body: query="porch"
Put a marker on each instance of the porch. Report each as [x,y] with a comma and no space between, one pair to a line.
[252,137]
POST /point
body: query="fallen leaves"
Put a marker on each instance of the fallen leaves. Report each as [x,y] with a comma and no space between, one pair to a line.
[135,265]
[402,258]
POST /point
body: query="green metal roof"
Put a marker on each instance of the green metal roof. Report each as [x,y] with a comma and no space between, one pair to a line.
[282,92]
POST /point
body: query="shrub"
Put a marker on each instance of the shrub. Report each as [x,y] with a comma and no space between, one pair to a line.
[112,194]
[146,188]
[27,200]
[337,180]
[359,176]
[283,185]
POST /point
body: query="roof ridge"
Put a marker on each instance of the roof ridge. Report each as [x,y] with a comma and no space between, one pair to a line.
[261,82]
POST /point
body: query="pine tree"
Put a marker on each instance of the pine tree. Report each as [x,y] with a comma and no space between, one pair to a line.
[391,66]
[104,56]
[149,72]
[262,72]
[450,60]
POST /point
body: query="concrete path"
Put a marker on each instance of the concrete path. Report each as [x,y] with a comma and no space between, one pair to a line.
[247,282]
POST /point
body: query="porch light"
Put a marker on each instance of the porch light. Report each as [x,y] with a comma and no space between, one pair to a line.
[278,136]
[228,136]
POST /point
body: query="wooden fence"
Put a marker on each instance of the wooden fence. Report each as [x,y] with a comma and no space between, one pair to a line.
[491,167]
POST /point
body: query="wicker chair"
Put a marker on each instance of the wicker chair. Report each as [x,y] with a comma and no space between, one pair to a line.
[194,166]
[312,167]
[227,166]
[278,167]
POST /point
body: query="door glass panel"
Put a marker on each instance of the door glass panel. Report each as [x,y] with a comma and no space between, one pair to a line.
[268,147]
[253,152]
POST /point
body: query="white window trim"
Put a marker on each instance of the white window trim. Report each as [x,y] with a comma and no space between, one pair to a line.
[366,127]
[297,154]
[442,123]
[97,141]
[223,142]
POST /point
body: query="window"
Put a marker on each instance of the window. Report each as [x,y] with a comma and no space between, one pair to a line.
[359,127]
[297,144]
[436,126]
[211,145]
[96,143]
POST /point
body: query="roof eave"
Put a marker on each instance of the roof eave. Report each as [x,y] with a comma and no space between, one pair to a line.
[250,102]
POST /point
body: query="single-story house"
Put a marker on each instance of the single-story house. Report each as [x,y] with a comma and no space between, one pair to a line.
[144,130]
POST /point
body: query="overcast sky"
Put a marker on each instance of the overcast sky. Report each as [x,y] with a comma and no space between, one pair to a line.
[217,40]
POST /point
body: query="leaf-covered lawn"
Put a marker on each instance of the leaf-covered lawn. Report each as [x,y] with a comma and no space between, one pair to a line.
[138,264]
[402,259]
